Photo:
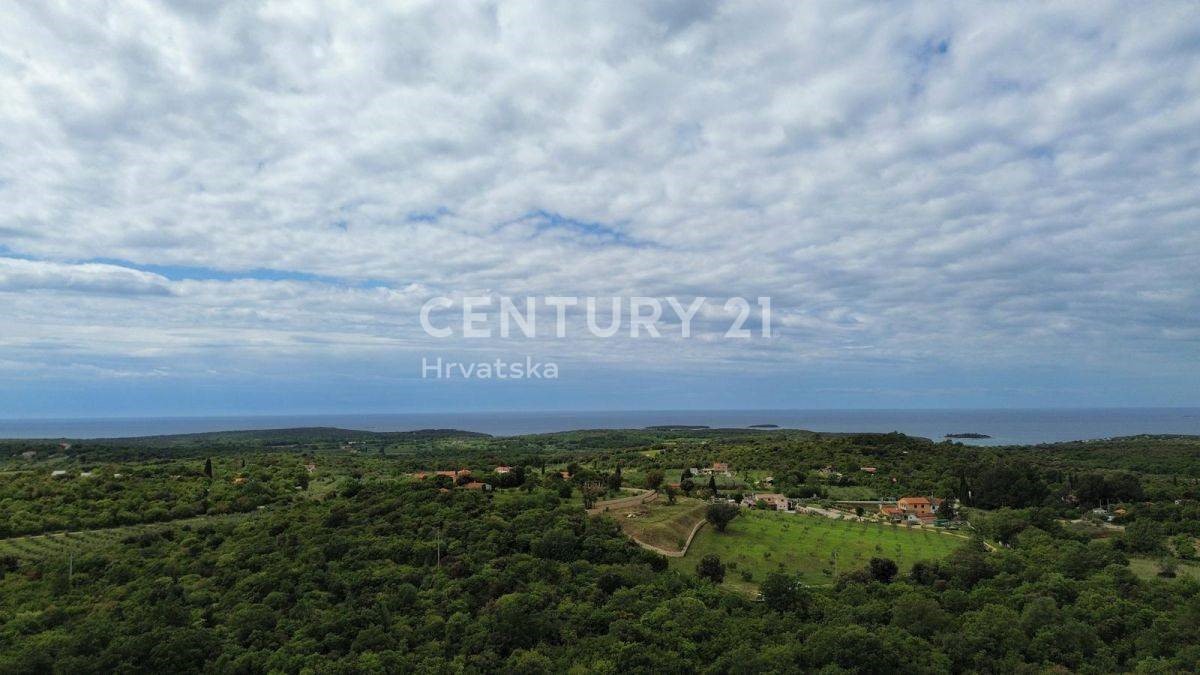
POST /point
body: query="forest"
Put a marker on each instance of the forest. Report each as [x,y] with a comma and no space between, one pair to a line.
[320,552]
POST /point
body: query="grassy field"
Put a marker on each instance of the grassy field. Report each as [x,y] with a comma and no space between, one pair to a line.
[816,548]
[660,524]
[1147,568]
[60,545]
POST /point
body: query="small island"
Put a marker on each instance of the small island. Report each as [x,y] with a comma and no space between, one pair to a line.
[967,436]
[764,426]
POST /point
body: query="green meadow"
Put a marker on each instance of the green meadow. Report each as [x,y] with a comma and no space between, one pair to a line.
[757,543]
[1147,568]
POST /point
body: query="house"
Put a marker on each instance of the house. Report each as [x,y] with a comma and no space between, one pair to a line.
[29,454]
[566,475]
[58,474]
[919,509]
[420,475]
[868,469]
[773,500]
[892,513]
[85,474]
[476,485]
[310,467]
[240,480]
[720,467]
[501,470]
[454,474]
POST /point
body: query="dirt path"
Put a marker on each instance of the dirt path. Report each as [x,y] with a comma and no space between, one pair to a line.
[642,497]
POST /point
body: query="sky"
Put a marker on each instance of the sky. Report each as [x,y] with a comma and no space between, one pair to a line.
[240,208]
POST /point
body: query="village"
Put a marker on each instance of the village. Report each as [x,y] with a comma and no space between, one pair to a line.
[909,510]
[915,510]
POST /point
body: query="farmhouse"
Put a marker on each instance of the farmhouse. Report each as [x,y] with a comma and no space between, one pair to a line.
[869,469]
[716,468]
[501,470]
[58,474]
[912,509]
[476,485]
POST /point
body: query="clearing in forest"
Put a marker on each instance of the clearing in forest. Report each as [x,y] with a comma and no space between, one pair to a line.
[757,543]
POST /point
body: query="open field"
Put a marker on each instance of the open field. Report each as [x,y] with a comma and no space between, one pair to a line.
[816,548]
[662,525]
[1147,568]
[61,544]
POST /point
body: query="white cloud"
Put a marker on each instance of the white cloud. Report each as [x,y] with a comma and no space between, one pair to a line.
[27,275]
[998,183]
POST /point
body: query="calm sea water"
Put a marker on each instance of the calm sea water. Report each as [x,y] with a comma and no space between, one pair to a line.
[1004,426]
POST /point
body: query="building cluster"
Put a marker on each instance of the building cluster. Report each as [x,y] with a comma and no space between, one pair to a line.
[461,477]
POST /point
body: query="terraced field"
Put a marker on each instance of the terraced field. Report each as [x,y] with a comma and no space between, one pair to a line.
[661,525]
[817,548]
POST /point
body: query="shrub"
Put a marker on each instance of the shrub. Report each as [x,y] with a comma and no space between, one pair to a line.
[710,568]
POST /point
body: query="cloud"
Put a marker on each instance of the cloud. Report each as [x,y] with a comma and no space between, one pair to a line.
[992,185]
[18,275]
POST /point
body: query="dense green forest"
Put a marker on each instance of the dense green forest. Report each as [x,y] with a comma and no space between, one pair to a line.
[318,551]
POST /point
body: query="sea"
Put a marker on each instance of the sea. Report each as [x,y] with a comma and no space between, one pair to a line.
[1003,426]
